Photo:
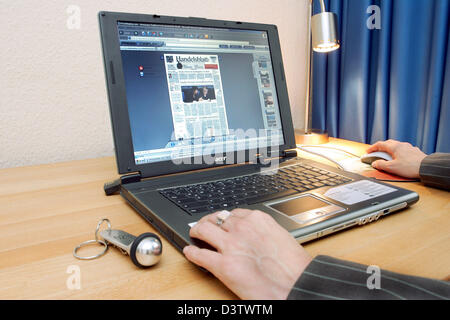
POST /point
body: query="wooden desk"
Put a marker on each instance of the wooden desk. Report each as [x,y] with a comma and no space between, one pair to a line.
[45,211]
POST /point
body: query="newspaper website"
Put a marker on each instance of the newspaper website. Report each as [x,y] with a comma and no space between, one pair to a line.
[196,91]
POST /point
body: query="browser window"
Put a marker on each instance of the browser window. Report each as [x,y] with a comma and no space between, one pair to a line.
[195,90]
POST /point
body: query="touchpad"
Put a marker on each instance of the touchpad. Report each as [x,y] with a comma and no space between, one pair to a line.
[305,208]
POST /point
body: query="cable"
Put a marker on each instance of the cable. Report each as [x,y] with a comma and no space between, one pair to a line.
[339,165]
[323,156]
[327,147]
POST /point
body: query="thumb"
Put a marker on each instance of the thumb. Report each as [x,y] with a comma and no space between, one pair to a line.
[381,165]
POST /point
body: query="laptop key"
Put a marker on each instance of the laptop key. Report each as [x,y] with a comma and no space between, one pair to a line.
[196,204]
[227,206]
[268,197]
[318,184]
[198,210]
[202,198]
[213,207]
[215,201]
[184,200]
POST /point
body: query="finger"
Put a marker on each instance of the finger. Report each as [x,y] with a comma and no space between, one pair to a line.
[210,233]
[241,213]
[214,218]
[385,146]
[210,260]
[379,146]
[382,165]
[231,219]
[207,217]
[374,147]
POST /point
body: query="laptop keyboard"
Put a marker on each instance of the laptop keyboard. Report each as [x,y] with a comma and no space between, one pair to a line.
[250,189]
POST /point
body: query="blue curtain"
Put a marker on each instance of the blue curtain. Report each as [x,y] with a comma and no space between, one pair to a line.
[387,83]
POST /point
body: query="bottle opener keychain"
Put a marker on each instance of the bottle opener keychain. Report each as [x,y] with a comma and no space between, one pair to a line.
[144,250]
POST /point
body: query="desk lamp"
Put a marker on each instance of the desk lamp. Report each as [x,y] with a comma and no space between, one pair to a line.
[322,32]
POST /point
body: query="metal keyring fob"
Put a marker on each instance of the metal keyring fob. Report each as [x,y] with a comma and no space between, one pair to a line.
[144,250]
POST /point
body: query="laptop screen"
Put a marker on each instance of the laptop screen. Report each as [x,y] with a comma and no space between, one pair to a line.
[193,91]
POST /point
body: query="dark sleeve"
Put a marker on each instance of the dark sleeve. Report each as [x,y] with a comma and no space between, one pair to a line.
[330,278]
[435,170]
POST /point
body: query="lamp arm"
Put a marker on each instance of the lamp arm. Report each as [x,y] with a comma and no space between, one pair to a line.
[322,4]
[308,67]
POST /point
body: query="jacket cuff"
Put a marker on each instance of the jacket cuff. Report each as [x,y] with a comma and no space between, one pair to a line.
[435,170]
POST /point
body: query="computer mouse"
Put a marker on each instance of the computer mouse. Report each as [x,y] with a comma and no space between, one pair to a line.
[371,157]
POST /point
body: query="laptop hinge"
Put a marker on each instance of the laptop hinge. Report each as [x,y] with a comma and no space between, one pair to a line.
[113,187]
[266,161]
[292,153]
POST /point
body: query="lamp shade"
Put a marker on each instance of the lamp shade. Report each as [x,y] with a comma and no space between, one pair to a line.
[324,32]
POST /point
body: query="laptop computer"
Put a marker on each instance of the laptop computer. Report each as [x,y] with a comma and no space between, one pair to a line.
[201,122]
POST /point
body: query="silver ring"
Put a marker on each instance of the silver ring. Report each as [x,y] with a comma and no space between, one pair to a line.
[88,243]
[98,227]
[222,216]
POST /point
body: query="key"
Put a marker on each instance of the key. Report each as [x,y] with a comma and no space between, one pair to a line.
[144,250]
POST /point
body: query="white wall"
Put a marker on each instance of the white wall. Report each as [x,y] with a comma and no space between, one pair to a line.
[53,103]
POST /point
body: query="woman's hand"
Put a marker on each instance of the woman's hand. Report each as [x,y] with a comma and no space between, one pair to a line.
[405,161]
[256,258]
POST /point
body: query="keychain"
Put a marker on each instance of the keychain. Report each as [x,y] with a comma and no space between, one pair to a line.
[144,250]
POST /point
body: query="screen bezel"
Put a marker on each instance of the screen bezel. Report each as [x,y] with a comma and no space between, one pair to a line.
[116,89]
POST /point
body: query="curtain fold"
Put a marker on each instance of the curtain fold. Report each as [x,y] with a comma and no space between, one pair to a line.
[388,83]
